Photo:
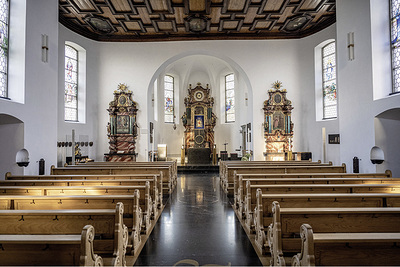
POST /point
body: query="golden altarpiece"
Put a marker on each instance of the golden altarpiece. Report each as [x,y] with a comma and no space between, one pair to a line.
[199,122]
[278,126]
[122,127]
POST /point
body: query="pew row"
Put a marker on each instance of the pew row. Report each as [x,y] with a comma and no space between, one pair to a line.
[284,236]
[172,163]
[223,165]
[54,249]
[246,207]
[263,211]
[111,234]
[90,180]
[228,181]
[334,249]
[133,216]
[150,208]
[306,178]
[168,180]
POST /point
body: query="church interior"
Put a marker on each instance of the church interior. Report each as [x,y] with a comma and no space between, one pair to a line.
[194,95]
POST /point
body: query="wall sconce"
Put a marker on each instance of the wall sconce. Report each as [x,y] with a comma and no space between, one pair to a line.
[174,126]
[45,48]
[350,45]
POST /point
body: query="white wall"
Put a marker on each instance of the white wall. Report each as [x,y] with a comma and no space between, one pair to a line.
[357,108]
[88,126]
[36,101]
[261,62]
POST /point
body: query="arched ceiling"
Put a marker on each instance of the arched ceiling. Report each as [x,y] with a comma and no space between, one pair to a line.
[174,20]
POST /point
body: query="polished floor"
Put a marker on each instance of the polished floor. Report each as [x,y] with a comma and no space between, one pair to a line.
[198,227]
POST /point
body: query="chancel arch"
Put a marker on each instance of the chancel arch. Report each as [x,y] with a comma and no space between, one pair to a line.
[192,68]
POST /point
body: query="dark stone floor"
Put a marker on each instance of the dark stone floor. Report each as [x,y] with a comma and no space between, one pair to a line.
[198,227]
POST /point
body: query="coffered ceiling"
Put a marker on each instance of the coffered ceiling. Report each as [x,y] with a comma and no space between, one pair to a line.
[176,20]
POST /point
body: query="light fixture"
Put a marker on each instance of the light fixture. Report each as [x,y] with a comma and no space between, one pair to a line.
[350,45]
[174,126]
[45,48]
[22,158]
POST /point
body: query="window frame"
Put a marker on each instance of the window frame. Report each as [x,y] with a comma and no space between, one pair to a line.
[226,98]
[393,47]
[173,99]
[77,84]
[324,106]
[5,96]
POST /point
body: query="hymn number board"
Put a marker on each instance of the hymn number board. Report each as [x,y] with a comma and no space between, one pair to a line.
[199,119]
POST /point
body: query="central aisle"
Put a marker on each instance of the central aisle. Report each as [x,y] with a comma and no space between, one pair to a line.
[198,227]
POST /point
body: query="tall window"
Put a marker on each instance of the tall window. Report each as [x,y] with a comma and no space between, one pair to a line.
[395,33]
[71,84]
[329,81]
[230,98]
[169,99]
[4,11]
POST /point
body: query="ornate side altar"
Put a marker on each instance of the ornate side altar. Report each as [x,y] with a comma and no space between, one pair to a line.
[199,122]
[122,127]
[278,127]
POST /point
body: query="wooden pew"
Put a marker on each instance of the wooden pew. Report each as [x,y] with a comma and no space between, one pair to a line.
[155,184]
[172,163]
[93,180]
[284,236]
[132,211]
[374,249]
[167,177]
[249,203]
[263,210]
[228,181]
[148,206]
[50,249]
[111,233]
[223,165]
[304,178]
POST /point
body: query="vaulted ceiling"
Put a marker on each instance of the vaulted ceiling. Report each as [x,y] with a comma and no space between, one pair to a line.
[175,20]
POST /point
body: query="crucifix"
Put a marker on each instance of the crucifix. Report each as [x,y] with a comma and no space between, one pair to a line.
[225,146]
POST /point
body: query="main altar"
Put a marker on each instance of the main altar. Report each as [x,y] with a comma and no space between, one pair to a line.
[122,127]
[199,121]
[278,126]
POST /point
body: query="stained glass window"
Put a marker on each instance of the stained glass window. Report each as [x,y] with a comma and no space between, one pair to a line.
[169,99]
[230,98]
[395,33]
[71,84]
[4,47]
[329,81]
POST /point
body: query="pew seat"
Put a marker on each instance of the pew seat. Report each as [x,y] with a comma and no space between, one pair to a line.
[347,249]
[50,249]
[284,236]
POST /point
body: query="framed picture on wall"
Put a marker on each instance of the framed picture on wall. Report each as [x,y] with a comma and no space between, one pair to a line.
[122,124]
[199,121]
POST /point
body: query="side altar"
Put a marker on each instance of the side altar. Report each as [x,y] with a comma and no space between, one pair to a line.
[122,127]
[199,121]
[278,126]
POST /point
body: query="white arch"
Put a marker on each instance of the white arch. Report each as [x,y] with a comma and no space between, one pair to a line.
[177,57]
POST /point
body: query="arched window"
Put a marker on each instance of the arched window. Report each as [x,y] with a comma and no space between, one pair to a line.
[395,33]
[230,98]
[71,84]
[329,81]
[4,18]
[169,99]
